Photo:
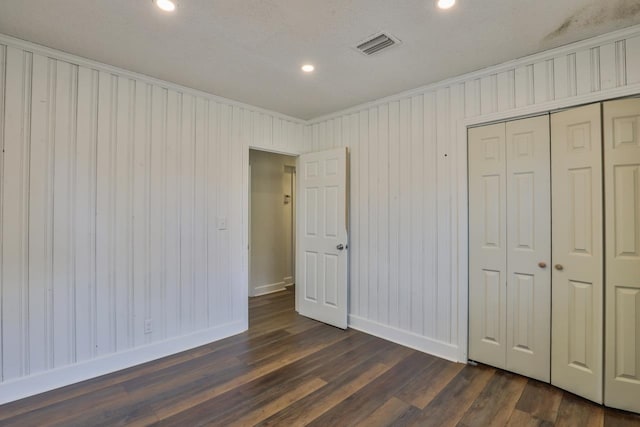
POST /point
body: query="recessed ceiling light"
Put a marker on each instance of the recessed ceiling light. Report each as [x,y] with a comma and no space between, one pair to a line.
[308,68]
[446,4]
[166,5]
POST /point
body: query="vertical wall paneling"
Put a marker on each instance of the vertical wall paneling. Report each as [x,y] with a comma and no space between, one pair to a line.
[404,241]
[543,75]
[63,218]
[417,213]
[105,335]
[384,202]
[430,218]
[373,231]
[584,71]
[633,59]
[621,63]
[85,210]
[354,250]
[506,90]
[595,68]
[157,189]
[608,66]
[223,212]
[444,214]
[15,212]
[122,209]
[561,76]
[394,213]
[3,68]
[114,196]
[212,198]
[187,213]
[489,94]
[363,201]
[456,108]
[40,230]
[472,96]
[238,287]
[200,233]
[422,134]
[172,209]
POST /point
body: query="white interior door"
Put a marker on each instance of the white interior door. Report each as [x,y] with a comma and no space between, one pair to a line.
[576,174]
[622,282]
[321,250]
[528,247]
[487,245]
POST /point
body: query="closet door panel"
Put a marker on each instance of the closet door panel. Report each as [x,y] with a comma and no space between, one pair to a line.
[622,231]
[576,170]
[487,240]
[528,247]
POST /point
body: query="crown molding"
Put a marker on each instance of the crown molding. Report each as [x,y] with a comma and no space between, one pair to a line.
[89,63]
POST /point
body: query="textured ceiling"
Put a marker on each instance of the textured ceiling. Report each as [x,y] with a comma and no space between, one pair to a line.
[252,50]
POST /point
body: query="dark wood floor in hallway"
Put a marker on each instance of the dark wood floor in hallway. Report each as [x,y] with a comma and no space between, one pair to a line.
[288,371]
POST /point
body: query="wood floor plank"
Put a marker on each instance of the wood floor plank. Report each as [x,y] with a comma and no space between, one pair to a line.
[272,407]
[227,406]
[311,407]
[386,414]
[453,401]
[360,404]
[524,419]
[178,403]
[576,411]
[495,404]
[424,387]
[540,400]
[614,418]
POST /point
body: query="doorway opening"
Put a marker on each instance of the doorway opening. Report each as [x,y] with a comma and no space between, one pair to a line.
[272,181]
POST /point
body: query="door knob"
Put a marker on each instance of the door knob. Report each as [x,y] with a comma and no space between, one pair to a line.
[542,264]
[559,267]
[340,247]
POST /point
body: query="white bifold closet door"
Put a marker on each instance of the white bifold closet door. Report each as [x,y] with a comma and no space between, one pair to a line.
[622,231]
[576,173]
[509,232]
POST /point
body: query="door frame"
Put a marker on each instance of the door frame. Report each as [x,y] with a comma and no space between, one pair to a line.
[460,203]
[247,217]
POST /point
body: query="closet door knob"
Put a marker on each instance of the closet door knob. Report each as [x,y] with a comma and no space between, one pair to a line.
[559,267]
[542,264]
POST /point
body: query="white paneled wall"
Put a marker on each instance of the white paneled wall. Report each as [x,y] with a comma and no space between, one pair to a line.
[408,237]
[112,187]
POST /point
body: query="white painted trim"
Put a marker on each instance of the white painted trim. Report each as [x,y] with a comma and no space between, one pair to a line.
[408,339]
[462,217]
[269,289]
[60,377]
[78,60]
[527,60]
[288,281]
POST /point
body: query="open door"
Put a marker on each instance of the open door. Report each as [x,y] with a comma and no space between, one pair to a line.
[321,250]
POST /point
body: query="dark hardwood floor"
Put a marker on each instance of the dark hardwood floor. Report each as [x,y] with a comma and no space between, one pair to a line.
[288,371]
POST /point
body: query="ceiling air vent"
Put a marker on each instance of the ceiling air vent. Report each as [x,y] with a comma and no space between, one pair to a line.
[377,43]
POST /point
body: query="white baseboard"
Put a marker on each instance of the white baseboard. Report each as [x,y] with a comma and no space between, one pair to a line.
[406,338]
[268,289]
[66,375]
[288,281]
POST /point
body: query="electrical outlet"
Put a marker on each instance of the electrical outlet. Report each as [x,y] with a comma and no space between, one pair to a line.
[148,326]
